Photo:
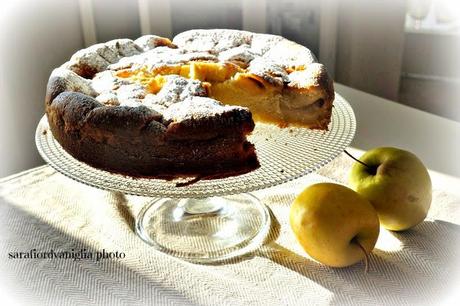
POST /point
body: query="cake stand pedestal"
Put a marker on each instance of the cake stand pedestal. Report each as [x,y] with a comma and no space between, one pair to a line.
[215,220]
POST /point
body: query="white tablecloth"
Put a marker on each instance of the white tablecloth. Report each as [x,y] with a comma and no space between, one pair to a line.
[43,210]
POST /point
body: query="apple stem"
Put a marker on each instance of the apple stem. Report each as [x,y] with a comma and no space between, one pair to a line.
[366,255]
[357,160]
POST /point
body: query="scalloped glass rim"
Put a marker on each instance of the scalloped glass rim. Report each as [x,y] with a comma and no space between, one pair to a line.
[284,154]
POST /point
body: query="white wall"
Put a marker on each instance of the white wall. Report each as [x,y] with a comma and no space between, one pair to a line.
[431,74]
[370,45]
[36,36]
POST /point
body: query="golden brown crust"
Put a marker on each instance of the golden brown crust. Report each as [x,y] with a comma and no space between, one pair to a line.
[135,142]
[327,86]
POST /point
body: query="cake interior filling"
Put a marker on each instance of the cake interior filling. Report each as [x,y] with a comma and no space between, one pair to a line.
[233,85]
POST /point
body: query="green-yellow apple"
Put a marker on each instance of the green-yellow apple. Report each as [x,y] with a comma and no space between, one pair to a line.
[396,183]
[334,224]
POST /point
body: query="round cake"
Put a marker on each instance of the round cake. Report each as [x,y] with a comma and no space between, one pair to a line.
[153,107]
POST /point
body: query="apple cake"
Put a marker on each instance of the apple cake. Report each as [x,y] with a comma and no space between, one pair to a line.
[160,108]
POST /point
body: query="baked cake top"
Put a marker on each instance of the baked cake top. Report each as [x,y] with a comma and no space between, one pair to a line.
[173,77]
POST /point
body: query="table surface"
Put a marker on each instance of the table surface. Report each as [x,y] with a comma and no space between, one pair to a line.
[41,209]
[381,122]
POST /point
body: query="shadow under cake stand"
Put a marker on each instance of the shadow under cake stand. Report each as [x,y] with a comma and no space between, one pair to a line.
[215,220]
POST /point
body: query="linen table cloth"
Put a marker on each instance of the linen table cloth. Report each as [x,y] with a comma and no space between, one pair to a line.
[43,210]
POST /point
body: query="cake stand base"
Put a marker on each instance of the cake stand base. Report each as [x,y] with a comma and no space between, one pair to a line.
[205,230]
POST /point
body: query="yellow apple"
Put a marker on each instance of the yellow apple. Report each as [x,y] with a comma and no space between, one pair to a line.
[396,183]
[334,224]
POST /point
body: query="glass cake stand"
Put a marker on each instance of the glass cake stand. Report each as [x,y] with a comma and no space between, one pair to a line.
[215,220]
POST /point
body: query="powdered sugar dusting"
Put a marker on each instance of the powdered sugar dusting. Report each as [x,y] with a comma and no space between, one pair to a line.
[214,41]
[149,42]
[241,54]
[306,78]
[269,71]
[106,81]
[270,57]
[289,54]
[73,82]
[177,89]
[131,91]
[196,108]
[108,98]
